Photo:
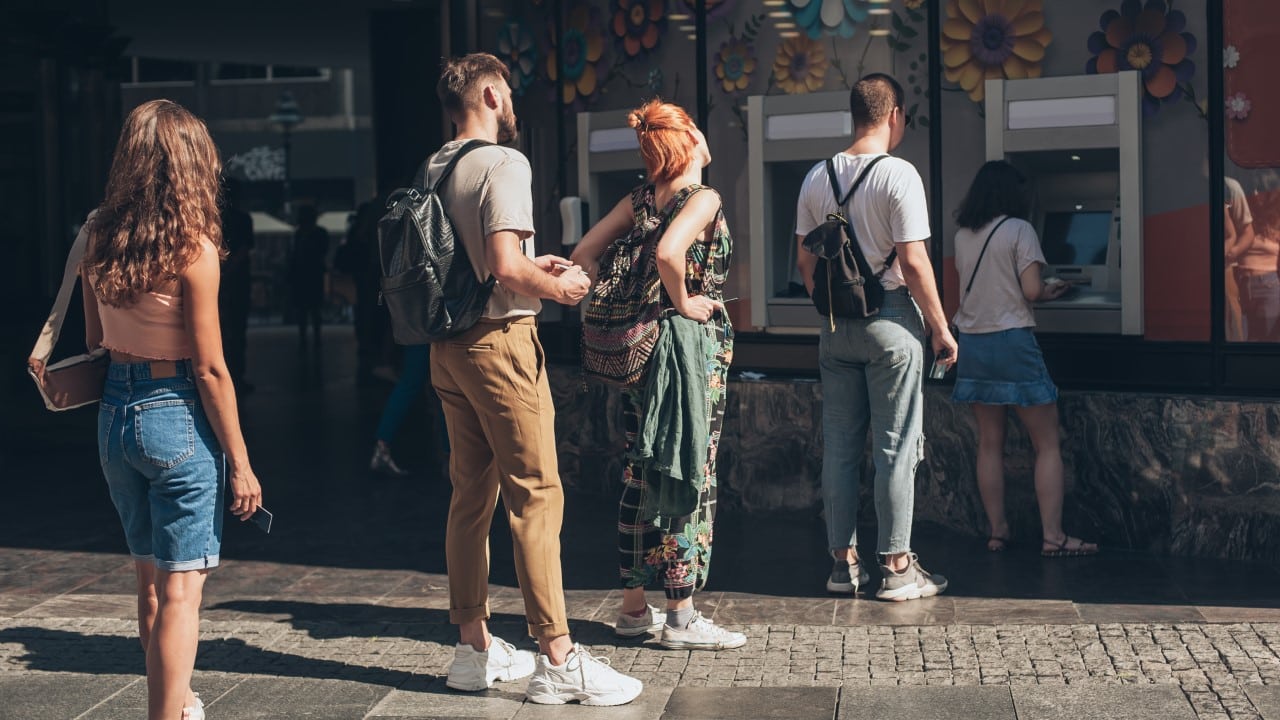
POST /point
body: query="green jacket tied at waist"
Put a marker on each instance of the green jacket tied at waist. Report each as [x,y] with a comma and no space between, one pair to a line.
[670,451]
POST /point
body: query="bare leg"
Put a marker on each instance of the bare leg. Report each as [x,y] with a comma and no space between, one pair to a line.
[171,650]
[1042,425]
[148,603]
[633,601]
[475,633]
[991,431]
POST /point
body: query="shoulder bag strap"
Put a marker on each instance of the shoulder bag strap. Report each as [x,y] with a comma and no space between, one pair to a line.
[978,264]
[420,180]
[53,326]
[835,187]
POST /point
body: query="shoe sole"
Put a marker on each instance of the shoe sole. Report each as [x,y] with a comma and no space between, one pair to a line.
[682,645]
[506,676]
[911,592]
[565,698]
[634,632]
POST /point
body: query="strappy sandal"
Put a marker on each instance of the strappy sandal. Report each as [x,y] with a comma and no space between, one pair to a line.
[1063,549]
[1001,544]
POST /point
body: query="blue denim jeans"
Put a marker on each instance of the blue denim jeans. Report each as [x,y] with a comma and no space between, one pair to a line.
[165,470]
[871,371]
[415,374]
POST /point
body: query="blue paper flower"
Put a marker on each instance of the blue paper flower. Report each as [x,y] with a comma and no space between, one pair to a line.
[828,17]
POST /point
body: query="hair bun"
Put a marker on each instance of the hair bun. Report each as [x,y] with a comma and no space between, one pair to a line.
[637,121]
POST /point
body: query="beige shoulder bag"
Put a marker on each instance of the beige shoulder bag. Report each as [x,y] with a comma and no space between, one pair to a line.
[75,381]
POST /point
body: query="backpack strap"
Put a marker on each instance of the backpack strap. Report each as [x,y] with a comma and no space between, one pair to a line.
[840,203]
[420,180]
[978,264]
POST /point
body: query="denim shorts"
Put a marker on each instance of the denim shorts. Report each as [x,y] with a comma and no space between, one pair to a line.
[165,470]
[1002,368]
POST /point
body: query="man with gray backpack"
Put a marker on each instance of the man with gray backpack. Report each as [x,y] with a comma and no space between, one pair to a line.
[489,370]
[861,223]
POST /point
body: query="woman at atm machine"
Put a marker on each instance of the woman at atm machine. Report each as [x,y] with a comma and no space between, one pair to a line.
[999,260]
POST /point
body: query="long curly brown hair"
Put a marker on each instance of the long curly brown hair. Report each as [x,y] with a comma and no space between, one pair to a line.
[161,203]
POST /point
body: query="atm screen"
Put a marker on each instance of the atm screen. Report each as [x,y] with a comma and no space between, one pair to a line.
[1076,238]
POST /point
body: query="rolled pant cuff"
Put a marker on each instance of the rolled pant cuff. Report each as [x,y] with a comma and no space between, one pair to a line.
[458,616]
[548,631]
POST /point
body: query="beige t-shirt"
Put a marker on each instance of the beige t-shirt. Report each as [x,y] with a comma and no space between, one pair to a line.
[491,189]
[996,301]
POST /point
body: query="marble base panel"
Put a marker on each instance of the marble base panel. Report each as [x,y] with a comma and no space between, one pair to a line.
[1181,475]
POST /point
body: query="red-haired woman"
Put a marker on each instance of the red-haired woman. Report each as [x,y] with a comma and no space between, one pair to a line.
[168,432]
[686,221]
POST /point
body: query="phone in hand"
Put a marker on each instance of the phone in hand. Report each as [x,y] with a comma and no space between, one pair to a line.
[940,367]
[262,518]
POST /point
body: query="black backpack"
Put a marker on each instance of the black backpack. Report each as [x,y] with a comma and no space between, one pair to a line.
[843,284]
[428,283]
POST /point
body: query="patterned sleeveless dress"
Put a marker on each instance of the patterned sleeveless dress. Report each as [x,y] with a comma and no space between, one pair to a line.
[678,549]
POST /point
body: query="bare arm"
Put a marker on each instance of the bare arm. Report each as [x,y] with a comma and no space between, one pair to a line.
[601,235]
[806,263]
[1238,242]
[213,381]
[673,248]
[1033,287]
[533,278]
[917,271]
[92,320]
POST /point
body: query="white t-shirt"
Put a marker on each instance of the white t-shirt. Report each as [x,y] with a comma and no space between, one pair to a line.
[996,301]
[888,208]
[491,189]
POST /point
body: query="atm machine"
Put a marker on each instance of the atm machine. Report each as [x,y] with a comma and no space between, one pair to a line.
[1078,140]
[786,135]
[609,164]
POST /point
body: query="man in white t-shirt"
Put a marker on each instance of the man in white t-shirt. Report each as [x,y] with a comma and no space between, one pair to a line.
[872,367]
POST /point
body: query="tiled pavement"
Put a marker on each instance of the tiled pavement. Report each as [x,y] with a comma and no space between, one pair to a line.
[341,612]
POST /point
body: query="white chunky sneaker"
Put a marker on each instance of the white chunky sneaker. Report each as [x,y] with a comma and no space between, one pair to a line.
[702,634]
[194,712]
[584,678]
[650,622]
[474,670]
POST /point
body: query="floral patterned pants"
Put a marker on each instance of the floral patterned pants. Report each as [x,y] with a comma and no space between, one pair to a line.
[677,549]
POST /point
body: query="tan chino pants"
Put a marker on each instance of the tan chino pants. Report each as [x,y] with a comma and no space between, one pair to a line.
[492,382]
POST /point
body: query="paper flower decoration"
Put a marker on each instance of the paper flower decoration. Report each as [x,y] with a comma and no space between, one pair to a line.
[638,24]
[831,17]
[1238,106]
[655,80]
[800,65]
[1230,56]
[913,4]
[734,64]
[1150,39]
[992,39]
[518,50]
[583,49]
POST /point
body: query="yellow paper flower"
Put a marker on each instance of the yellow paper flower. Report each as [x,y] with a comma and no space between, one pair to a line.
[734,64]
[984,39]
[583,48]
[800,65]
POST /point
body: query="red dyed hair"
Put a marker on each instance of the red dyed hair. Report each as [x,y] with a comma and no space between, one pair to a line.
[665,142]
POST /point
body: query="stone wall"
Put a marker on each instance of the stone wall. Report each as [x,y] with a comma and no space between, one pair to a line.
[1171,474]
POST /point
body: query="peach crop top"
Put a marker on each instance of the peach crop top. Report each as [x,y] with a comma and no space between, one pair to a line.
[153,327]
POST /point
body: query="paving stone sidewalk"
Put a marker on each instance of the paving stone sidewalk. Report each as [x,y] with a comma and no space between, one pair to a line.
[89,668]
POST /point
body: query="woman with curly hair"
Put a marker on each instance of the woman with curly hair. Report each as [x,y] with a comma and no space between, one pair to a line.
[168,431]
[685,221]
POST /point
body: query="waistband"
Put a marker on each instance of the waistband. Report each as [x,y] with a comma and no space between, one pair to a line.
[154,370]
[517,320]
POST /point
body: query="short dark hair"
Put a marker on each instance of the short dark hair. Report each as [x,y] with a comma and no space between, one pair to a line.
[459,77]
[873,98]
[997,189]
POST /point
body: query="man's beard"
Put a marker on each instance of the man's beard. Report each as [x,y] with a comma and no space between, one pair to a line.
[507,130]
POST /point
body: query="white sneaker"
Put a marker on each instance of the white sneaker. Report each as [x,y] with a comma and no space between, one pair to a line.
[702,634]
[194,712]
[584,678]
[474,670]
[650,622]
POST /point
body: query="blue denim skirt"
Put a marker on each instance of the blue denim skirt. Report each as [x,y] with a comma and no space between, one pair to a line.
[1002,368]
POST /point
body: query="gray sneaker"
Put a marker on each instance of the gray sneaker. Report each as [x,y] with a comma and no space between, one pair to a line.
[910,584]
[846,578]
